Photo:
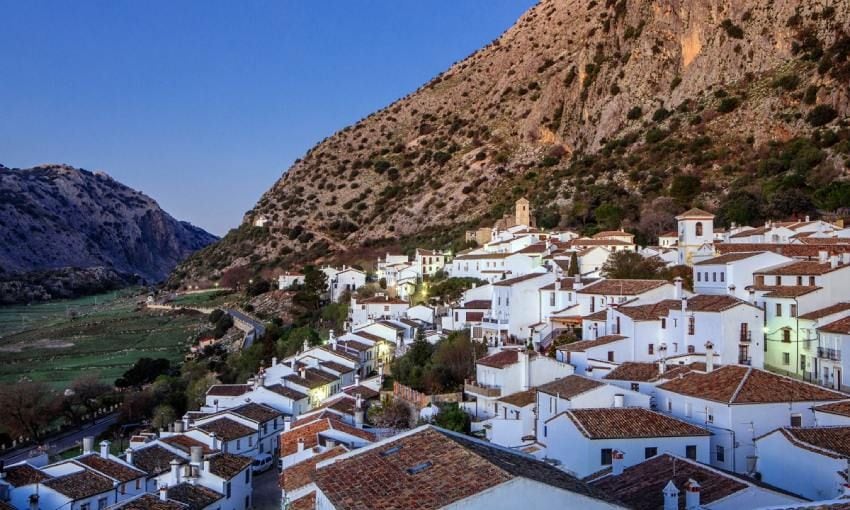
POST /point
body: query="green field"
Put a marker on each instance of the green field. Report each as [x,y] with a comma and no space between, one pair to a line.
[210,299]
[59,341]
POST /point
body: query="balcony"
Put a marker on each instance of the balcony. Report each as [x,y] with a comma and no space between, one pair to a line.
[494,320]
[746,337]
[482,390]
[831,354]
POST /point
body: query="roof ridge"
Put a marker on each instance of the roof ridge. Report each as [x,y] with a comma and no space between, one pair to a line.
[740,385]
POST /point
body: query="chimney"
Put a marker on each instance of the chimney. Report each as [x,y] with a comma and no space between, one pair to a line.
[88,445]
[557,285]
[300,444]
[332,339]
[709,356]
[677,281]
[833,261]
[292,363]
[178,427]
[525,366]
[618,400]
[104,449]
[303,372]
[358,411]
[213,441]
[357,379]
[128,456]
[175,472]
[807,218]
[163,493]
[751,298]
[274,361]
[577,285]
[186,421]
[617,463]
[33,502]
[197,455]
[823,256]
[692,489]
[671,496]
[732,290]
[287,423]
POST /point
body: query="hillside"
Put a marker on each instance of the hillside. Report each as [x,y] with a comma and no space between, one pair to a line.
[605,113]
[64,230]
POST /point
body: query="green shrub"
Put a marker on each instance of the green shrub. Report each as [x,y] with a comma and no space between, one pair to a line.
[732,30]
[787,82]
[821,114]
[635,113]
[728,104]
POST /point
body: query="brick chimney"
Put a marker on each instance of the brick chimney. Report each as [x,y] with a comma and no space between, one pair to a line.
[692,489]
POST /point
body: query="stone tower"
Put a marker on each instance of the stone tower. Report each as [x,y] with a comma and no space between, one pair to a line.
[522,215]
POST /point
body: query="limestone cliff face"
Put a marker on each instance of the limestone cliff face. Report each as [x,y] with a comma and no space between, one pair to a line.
[57,217]
[570,76]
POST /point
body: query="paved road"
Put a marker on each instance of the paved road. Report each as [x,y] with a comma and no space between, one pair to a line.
[62,442]
[259,329]
[267,490]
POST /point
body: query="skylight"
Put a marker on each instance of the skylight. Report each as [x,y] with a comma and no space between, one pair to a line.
[390,451]
[419,467]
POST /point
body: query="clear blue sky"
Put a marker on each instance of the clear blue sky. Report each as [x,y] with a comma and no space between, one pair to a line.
[202,105]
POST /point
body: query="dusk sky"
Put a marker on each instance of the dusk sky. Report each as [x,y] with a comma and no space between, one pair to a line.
[202,105]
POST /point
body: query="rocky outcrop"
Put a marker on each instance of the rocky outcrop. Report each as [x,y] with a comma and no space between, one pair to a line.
[63,228]
[566,80]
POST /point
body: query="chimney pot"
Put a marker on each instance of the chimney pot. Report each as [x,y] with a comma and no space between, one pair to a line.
[163,493]
[692,496]
[671,496]
[617,463]
[104,449]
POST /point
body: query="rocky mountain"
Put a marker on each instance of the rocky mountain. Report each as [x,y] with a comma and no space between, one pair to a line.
[64,230]
[605,113]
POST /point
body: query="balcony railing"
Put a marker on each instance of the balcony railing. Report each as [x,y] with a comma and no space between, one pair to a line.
[833,354]
[493,320]
[482,390]
[746,337]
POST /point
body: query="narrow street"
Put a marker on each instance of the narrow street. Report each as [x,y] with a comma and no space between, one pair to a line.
[267,490]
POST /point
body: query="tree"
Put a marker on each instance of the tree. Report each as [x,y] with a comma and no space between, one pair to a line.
[685,188]
[631,265]
[257,286]
[658,216]
[27,408]
[163,416]
[573,269]
[136,407]
[144,371]
[608,216]
[452,417]
[452,289]
[391,414]
[84,397]
[741,207]
[197,390]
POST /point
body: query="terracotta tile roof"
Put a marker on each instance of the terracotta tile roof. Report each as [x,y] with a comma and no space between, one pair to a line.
[477,304]
[831,441]
[695,214]
[229,390]
[304,473]
[518,279]
[569,283]
[420,470]
[312,378]
[6,506]
[150,502]
[342,353]
[570,386]
[825,312]
[310,429]
[615,287]
[601,315]
[583,345]
[611,233]
[482,256]
[307,502]
[520,398]
[392,325]
[80,485]
[709,303]
[226,429]
[649,312]
[629,422]
[196,497]
[839,408]
[799,267]
[24,474]
[789,250]
[360,346]
[501,359]
[670,233]
[733,384]
[597,242]
[758,231]
[474,316]
[641,486]
[289,393]
[336,367]
[227,465]
[785,291]
[364,391]
[533,248]
[113,469]
[154,460]
[648,372]
[259,413]
[841,326]
[185,443]
[824,241]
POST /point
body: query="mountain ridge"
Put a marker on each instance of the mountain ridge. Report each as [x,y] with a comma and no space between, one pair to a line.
[556,90]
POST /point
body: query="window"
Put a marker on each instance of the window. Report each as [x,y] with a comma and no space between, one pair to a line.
[663,322]
[138,483]
[650,349]
[714,276]
[802,362]
[722,276]
[699,228]
[720,452]
[811,281]
[786,358]
[800,281]
[691,451]
[635,386]
[606,457]
[689,411]
[650,451]
[227,490]
[796,420]
[709,415]
[552,299]
[699,276]
[247,502]
[610,355]
[786,335]
[238,444]
[545,431]
[779,309]
[793,310]
[669,406]
[85,506]
[247,476]
[102,503]
[692,325]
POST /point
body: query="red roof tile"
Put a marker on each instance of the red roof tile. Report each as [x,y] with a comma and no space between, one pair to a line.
[617,287]
[629,422]
[570,386]
[583,345]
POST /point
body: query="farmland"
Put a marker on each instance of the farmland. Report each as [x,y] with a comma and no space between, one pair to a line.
[58,341]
